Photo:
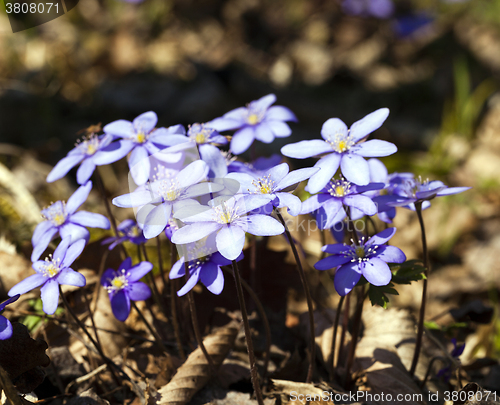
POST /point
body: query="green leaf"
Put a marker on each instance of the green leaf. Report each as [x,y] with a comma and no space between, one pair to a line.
[378,295]
[405,273]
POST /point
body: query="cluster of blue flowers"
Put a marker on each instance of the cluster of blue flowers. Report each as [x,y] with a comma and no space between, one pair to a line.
[205,200]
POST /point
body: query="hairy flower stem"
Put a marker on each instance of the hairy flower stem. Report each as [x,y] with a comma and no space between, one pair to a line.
[323,243]
[112,221]
[312,352]
[151,278]
[345,324]
[420,327]
[334,337]
[263,317]
[173,306]
[196,326]
[360,298]
[160,263]
[157,337]
[112,366]
[248,335]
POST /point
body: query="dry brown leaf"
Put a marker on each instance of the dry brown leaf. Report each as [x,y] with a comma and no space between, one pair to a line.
[195,372]
[385,353]
[7,389]
[323,321]
[23,358]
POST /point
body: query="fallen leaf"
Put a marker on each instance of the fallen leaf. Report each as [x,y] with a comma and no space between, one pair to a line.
[195,372]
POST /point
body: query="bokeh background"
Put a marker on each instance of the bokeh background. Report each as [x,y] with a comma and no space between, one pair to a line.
[434,63]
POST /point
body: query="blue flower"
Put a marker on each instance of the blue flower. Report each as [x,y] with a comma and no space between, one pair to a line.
[139,137]
[456,352]
[365,8]
[62,218]
[275,183]
[365,258]
[123,285]
[202,138]
[5,325]
[130,231]
[86,152]
[165,194]
[329,203]
[206,269]
[416,190]
[52,272]
[227,219]
[379,174]
[257,121]
[344,148]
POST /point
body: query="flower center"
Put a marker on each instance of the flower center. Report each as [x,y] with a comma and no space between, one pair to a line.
[253,119]
[166,185]
[89,145]
[199,133]
[134,232]
[55,213]
[141,137]
[340,143]
[224,214]
[118,282]
[51,267]
[360,251]
[263,185]
[339,188]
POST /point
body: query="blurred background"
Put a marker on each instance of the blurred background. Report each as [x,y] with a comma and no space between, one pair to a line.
[434,63]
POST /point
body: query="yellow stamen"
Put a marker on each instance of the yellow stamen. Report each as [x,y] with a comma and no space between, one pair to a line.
[253,119]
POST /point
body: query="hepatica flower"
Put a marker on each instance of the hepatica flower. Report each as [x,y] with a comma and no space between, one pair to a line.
[165,194]
[85,152]
[52,272]
[123,285]
[416,190]
[206,269]
[275,184]
[5,325]
[63,219]
[202,137]
[330,202]
[129,231]
[256,121]
[139,137]
[367,258]
[228,220]
[343,147]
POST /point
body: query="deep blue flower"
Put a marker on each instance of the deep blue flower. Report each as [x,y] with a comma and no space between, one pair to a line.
[228,220]
[407,25]
[344,148]
[456,352]
[123,285]
[206,269]
[330,202]
[129,231]
[139,137]
[167,193]
[61,218]
[416,190]
[276,184]
[52,272]
[85,152]
[365,258]
[368,8]
[257,121]
[5,325]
